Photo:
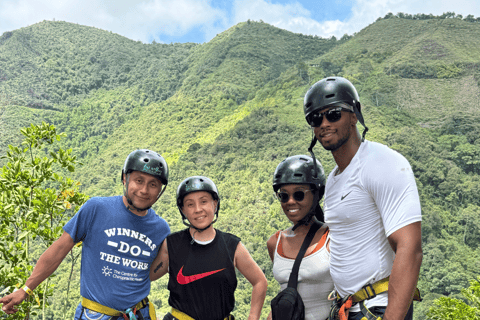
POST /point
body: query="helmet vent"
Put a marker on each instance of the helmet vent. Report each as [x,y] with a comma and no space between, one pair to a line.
[328,96]
[146,160]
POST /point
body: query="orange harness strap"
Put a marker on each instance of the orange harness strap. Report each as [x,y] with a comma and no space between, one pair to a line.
[344,309]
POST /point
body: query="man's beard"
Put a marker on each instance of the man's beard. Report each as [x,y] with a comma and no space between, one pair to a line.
[338,144]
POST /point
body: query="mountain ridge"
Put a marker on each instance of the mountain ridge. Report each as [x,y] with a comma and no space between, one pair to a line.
[232,109]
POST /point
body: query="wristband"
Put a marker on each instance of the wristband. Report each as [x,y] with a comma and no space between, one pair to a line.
[28,290]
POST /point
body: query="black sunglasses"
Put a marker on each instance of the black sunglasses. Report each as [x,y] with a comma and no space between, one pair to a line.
[297,196]
[332,115]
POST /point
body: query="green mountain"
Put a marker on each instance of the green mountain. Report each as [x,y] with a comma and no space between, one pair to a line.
[231,109]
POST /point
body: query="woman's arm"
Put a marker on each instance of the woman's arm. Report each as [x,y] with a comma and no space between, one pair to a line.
[159,266]
[271,244]
[252,272]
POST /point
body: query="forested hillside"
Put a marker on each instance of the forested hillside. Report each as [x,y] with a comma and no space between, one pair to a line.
[231,109]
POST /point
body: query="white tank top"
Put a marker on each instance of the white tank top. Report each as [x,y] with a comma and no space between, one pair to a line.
[314,280]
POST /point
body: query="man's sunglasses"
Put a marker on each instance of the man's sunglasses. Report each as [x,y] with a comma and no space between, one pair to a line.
[297,196]
[332,115]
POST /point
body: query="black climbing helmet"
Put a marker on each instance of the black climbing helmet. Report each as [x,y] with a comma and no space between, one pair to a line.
[330,92]
[147,161]
[193,184]
[299,169]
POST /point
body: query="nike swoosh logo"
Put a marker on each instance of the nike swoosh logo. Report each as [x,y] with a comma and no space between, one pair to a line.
[343,197]
[181,279]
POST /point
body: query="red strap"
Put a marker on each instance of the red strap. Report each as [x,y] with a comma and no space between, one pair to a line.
[343,312]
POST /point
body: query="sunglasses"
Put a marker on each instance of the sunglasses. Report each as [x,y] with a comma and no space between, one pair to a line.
[332,115]
[297,196]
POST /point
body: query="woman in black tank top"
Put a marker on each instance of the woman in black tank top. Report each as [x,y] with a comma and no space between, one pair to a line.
[201,260]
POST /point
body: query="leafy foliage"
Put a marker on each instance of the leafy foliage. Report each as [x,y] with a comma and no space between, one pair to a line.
[456,309]
[34,204]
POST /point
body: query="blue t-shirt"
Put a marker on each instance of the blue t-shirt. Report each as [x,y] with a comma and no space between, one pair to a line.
[118,248]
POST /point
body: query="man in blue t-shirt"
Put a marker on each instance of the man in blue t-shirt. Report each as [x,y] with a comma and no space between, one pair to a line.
[121,236]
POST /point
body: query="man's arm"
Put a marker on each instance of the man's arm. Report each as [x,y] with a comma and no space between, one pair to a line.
[159,266]
[407,245]
[46,265]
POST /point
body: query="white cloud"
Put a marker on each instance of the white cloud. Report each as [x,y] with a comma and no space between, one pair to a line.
[294,17]
[150,19]
[179,16]
[135,19]
[366,12]
[20,13]
[263,10]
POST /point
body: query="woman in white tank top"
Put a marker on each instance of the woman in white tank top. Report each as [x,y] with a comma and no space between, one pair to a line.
[299,185]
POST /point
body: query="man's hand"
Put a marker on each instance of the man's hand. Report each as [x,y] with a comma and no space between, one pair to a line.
[12,300]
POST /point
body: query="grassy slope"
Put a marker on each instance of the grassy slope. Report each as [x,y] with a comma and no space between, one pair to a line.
[64,67]
[211,100]
[446,48]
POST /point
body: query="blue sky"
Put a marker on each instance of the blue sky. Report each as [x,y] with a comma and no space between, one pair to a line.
[199,21]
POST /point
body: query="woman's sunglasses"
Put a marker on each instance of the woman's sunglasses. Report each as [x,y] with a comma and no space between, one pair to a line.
[297,196]
[332,115]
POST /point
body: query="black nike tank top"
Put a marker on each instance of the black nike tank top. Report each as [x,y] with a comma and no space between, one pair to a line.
[202,278]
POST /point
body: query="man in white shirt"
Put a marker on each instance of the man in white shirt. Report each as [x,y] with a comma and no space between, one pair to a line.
[371,206]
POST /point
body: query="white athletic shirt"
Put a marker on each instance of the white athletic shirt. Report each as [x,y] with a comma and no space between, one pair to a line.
[372,198]
[314,280]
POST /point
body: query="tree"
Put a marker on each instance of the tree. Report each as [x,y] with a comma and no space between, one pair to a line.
[469,18]
[447,308]
[35,200]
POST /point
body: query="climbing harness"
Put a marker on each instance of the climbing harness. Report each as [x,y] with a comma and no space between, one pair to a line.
[179,315]
[128,314]
[341,306]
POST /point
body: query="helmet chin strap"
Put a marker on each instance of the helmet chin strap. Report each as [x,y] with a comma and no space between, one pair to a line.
[316,198]
[311,213]
[200,229]
[358,113]
[310,149]
[130,202]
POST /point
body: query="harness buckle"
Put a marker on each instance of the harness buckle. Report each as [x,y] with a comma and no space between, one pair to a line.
[130,313]
[369,296]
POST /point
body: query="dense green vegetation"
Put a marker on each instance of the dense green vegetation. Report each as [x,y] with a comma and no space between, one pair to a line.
[35,202]
[447,308]
[231,109]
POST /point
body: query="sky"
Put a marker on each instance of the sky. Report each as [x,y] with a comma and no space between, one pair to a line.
[199,21]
